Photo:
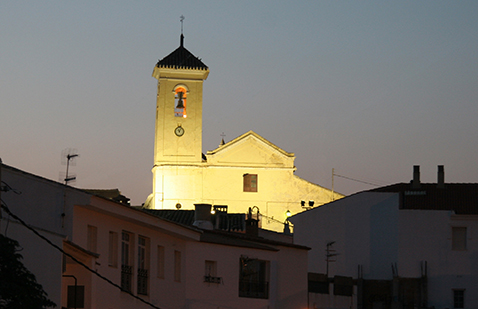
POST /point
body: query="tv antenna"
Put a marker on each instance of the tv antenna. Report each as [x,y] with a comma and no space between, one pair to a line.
[68,157]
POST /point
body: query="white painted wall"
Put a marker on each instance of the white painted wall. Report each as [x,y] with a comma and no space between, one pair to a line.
[40,203]
[370,230]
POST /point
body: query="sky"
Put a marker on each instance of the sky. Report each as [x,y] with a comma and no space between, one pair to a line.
[367,88]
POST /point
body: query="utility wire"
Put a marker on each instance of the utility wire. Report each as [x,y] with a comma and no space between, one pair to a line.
[4,206]
[368,183]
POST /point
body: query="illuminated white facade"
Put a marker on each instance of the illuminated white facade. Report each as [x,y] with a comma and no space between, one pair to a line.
[245,172]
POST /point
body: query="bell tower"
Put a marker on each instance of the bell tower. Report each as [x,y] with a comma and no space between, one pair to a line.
[178,130]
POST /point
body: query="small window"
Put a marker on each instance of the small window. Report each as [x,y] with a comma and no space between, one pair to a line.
[160,262]
[210,273]
[210,268]
[92,235]
[177,266]
[250,182]
[458,241]
[458,298]
[113,249]
[76,296]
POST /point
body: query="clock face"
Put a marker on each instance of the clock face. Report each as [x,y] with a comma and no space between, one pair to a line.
[179,131]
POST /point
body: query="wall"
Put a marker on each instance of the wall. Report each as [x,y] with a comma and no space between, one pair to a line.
[287,277]
[108,216]
[40,203]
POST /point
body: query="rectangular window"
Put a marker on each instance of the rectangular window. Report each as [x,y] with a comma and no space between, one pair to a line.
[177,266]
[458,298]
[161,262]
[250,182]
[76,296]
[113,249]
[91,235]
[143,265]
[126,261]
[210,272]
[253,278]
[458,241]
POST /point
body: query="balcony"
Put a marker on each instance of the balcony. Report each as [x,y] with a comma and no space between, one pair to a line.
[254,289]
[211,279]
[126,277]
[142,281]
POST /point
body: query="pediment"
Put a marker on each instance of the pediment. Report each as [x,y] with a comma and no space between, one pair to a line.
[250,149]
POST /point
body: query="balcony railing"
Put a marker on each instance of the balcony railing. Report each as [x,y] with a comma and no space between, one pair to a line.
[253,289]
[126,277]
[211,279]
[142,281]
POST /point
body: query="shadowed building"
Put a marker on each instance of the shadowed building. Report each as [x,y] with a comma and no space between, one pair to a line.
[407,245]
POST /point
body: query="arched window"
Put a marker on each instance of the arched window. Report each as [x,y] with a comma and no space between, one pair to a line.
[180,98]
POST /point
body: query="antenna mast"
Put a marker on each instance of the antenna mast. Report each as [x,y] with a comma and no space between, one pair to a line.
[70,155]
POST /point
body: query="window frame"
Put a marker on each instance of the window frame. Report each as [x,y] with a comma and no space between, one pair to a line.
[250,182]
[254,277]
[92,238]
[127,261]
[143,265]
[459,236]
[113,249]
[177,266]
[160,262]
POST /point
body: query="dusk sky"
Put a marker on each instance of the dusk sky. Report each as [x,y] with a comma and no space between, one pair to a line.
[369,88]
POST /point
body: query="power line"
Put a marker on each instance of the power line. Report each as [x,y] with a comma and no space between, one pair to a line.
[368,183]
[4,206]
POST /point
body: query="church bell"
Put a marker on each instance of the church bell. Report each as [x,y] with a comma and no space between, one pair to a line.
[180,100]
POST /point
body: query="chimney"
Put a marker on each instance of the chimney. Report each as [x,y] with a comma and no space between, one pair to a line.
[416,177]
[202,216]
[441,177]
[252,225]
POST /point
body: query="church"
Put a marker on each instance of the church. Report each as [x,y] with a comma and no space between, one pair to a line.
[247,172]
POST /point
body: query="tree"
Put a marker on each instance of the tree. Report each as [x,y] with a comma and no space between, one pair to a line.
[18,286]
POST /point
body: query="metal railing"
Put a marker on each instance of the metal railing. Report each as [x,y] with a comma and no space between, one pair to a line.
[142,281]
[253,289]
[126,277]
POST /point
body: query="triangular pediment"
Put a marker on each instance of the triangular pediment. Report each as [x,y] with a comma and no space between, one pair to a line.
[250,149]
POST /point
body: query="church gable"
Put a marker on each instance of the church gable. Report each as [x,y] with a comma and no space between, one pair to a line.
[250,149]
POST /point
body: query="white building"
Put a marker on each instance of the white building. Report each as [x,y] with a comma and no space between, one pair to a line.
[408,245]
[117,256]
[247,171]
[46,206]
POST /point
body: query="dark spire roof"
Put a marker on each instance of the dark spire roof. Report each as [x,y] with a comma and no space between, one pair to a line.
[182,58]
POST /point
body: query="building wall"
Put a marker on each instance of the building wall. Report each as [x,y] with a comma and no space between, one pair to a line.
[370,230]
[427,236]
[164,292]
[220,181]
[287,277]
[360,225]
[40,203]
[288,265]
[279,190]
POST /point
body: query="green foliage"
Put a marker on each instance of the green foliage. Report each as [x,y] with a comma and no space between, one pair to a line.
[18,286]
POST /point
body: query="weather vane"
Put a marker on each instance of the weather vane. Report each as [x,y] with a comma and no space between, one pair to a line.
[181,19]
